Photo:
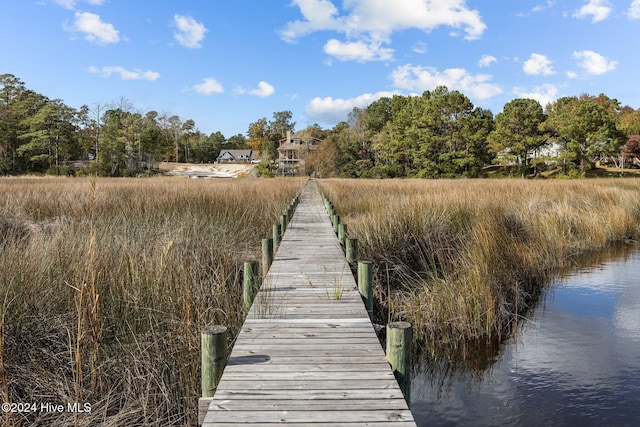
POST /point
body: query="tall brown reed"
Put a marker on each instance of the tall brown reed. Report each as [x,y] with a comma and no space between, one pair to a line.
[106,285]
[467,258]
[4,380]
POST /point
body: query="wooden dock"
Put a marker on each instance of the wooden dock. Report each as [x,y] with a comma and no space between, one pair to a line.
[307,353]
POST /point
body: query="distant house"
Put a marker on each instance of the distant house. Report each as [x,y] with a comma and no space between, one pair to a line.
[549,152]
[238,156]
[293,150]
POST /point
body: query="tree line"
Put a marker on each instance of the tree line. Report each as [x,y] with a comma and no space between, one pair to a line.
[442,134]
[42,135]
[438,134]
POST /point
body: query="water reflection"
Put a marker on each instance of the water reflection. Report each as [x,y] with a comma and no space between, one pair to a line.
[576,361]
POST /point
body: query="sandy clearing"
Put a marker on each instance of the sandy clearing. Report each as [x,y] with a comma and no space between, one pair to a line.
[207,170]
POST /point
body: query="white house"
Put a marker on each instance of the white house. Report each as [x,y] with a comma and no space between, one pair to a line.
[238,156]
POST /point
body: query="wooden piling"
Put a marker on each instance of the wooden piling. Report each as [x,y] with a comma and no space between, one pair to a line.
[249,283]
[335,220]
[213,350]
[352,250]
[267,255]
[277,235]
[399,355]
[342,233]
[365,284]
[213,346]
[284,219]
[330,209]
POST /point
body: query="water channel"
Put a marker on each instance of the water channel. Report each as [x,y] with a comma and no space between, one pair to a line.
[574,362]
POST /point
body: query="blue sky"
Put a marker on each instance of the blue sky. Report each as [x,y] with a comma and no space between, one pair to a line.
[228,63]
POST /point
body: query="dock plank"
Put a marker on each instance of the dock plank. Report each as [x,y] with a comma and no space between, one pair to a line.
[307,353]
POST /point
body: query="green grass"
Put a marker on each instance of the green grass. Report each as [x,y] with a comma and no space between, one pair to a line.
[465,259]
[105,285]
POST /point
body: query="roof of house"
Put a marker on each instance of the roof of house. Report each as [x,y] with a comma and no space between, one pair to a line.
[239,154]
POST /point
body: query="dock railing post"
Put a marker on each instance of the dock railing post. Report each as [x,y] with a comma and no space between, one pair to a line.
[213,349]
[335,220]
[277,235]
[249,283]
[352,250]
[342,233]
[365,284]
[399,355]
[284,219]
[267,255]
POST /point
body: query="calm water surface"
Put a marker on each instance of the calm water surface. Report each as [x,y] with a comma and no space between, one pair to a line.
[575,362]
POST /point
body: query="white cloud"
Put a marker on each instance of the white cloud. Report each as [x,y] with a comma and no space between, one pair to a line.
[71,4]
[124,73]
[543,94]
[599,10]
[94,29]
[330,110]
[634,10]
[419,79]
[540,8]
[190,32]
[420,48]
[386,16]
[318,14]
[263,90]
[208,86]
[538,64]
[358,51]
[593,63]
[487,60]
[369,23]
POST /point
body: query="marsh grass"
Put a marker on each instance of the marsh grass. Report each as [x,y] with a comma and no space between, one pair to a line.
[464,260]
[105,286]
[336,290]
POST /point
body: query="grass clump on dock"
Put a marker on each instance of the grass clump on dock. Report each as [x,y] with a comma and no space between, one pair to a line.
[106,284]
[464,259]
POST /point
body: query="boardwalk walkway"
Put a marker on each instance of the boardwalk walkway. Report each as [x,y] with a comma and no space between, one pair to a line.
[307,353]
